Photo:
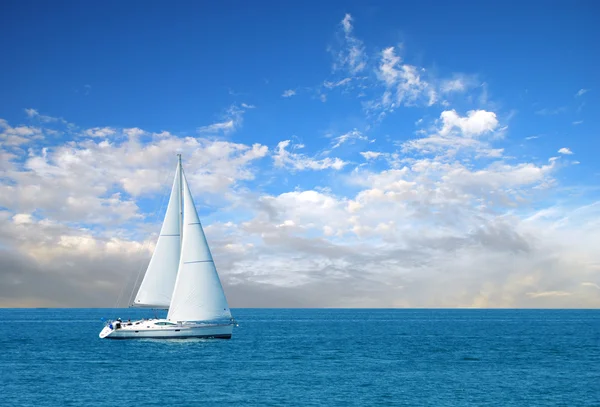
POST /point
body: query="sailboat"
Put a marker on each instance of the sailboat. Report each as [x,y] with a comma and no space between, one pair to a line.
[180,277]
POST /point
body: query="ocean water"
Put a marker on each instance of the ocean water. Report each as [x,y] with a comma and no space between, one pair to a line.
[308,357]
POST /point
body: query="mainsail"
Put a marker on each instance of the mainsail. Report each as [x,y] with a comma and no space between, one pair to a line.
[198,294]
[157,286]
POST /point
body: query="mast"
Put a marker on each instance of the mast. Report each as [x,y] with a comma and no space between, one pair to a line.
[180,199]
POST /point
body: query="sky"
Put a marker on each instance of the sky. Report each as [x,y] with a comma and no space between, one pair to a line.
[341,154]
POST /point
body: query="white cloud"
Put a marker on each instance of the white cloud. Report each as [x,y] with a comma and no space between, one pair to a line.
[82,180]
[288,93]
[370,155]
[341,82]
[460,133]
[31,112]
[458,83]
[427,235]
[100,132]
[388,71]
[352,56]
[34,114]
[347,137]
[225,127]
[565,150]
[433,231]
[403,83]
[22,218]
[581,92]
[476,123]
[410,86]
[578,122]
[233,119]
[17,136]
[286,159]
[453,85]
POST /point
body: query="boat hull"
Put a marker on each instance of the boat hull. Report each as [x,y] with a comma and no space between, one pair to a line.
[151,330]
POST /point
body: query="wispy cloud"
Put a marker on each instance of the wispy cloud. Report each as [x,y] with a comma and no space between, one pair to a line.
[287,159]
[403,82]
[458,83]
[226,127]
[34,114]
[100,132]
[370,155]
[347,137]
[550,112]
[578,122]
[233,119]
[341,82]
[288,93]
[581,92]
[565,150]
[352,55]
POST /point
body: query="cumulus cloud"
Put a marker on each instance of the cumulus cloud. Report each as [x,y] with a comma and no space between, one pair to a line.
[454,133]
[99,132]
[18,135]
[432,231]
[94,180]
[380,249]
[477,122]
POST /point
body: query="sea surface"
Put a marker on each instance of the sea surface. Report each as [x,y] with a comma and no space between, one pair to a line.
[308,357]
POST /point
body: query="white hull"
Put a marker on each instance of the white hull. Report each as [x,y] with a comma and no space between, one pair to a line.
[164,329]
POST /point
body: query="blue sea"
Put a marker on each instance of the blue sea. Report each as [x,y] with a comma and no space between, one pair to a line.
[308,357]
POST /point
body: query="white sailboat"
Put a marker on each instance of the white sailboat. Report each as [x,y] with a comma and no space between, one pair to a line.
[180,277]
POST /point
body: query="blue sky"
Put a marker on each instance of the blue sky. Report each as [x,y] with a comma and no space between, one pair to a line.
[482,114]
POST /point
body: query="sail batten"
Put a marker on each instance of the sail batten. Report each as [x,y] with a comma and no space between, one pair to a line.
[198,294]
[157,286]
